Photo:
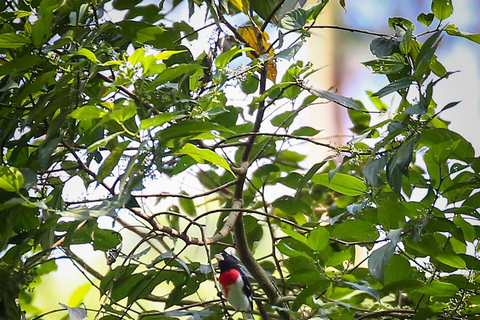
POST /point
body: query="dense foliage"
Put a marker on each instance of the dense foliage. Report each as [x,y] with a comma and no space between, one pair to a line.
[94,111]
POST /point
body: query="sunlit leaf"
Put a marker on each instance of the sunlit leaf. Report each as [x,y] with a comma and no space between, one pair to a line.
[442,9]
[204,155]
[342,183]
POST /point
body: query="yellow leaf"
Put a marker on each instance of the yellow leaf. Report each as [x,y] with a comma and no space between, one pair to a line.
[250,36]
[241,5]
[272,71]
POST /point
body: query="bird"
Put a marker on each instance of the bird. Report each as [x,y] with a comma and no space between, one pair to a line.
[234,284]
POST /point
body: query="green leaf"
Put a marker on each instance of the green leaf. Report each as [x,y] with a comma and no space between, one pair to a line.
[42,30]
[190,128]
[318,239]
[425,19]
[174,72]
[426,54]
[397,269]
[295,235]
[295,19]
[13,40]
[442,9]
[379,258]
[373,169]
[104,239]
[11,179]
[222,60]
[341,183]
[439,289]
[453,30]
[160,119]
[291,205]
[363,231]
[103,142]
[395,86]
[88,112]
[450,259]
[124,113]
[305,131]
[204,155]
[387,65]
[400,162]
[112,160]
[285,119]
[188,206]
[337,98]
[87,54]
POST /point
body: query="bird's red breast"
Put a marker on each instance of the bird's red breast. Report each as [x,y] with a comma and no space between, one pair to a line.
[228,278]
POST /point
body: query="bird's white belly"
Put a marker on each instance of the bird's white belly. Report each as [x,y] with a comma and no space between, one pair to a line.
[237,297]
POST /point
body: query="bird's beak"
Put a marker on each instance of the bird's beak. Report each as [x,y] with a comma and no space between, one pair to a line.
[219,257]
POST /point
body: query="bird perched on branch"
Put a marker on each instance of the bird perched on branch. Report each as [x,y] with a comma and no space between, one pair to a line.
[234,283]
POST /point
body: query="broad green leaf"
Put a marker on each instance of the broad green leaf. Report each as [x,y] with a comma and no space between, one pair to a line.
[379,258]
[426,54]
[88,112]
[42,30]
[112,160]
[363,231]
[387,64]
[104,239]
[204,155]
[397,269]
[295,235]
[13,40]
[442,9]
[222,60]
[373,169]
[291,205]
[124,113]
[318,239]
[11,179]
[453,30]
[87,54]
[174,72]
[164,55]
[160,119]
[439,289]
[382,46]
[305,131]
[450,259]
[395,86]
[191,128]
[103,142]
[365,288]
[285,119]
[400,162]
[467,229]
[295,19]
[341,183]
[425,19]
[403,23]
[348,103]
[188,206]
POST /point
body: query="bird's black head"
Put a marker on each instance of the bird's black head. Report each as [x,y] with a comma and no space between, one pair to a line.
[226,262]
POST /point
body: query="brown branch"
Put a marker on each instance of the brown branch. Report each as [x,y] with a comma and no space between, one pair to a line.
[271,15]
[241,135]
[186,196]
[372,33]
[398,313]
[241,242]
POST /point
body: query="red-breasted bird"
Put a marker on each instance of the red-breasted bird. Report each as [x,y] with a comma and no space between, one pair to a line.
[234,284]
